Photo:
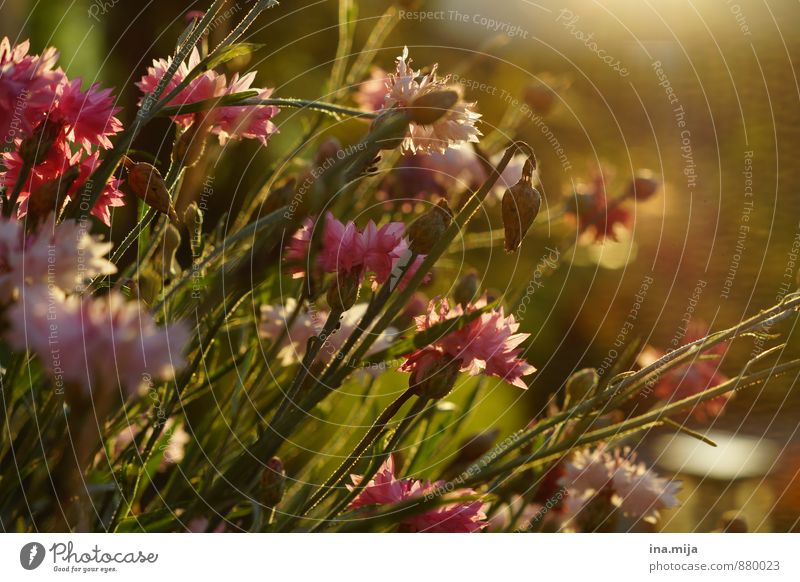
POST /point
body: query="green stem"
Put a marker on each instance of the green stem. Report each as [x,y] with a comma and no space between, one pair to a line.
[311,104]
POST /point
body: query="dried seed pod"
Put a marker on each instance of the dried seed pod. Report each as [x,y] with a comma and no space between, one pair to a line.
[431,107]
[146,182]
[172,240]
[273,482]
[426,230]
[520,206]
[49,197]
[343,291]
[191,144]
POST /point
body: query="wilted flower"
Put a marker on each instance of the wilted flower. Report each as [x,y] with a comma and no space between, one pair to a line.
[630,486]
[486,345]
[454,127]
[386,489]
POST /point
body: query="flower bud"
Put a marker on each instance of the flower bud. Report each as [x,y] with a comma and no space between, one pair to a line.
[34,149]
[49,197]
[343,291]
[643,186]
[434,376]
[431,107]
[273,482]
[425,231]
[148,286]
[393,126]
[580,386]
[327,152]
[520,206]
[146,182]
[467,289]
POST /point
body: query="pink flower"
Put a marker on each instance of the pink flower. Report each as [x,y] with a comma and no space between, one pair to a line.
[342,246]
[381,247]
[386,489]
[231,122]
[98,343]
[632,487]
[244,122]
[487,345]
[52,168]
[692,378]
[27,88]
[455,127]
[89,116]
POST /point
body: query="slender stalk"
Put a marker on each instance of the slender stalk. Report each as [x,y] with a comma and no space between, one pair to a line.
[311,104]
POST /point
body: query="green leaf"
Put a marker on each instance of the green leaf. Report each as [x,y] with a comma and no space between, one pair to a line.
[427,337]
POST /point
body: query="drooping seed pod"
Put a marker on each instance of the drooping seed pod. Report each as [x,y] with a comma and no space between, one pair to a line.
[643,186]
[467,289]
[425,231]
[35,148]
[520,206]
[273,482]
[431,107]
[435,378]
[146,182]
[343,291]
[581,386]
[49,197]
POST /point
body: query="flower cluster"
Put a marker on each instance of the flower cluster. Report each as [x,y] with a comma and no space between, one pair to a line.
[230,122]
[347,250]
[96,343]
[489,344]
[386,489]
[617,479]
[56,127]
[405,86]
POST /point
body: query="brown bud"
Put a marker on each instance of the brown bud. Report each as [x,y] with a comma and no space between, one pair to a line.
[643,186]
[34,149]
[273,482]
[327,151]
[146,182]
[467,289]
[193,219]
[343,291]
[520,206]
[426,230]
[49,197]
[434,379]
[431,107]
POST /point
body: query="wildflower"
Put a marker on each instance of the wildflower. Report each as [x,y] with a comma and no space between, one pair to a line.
[229,122]
[486,345]
[97,343]
[692,378]
[456,126]
[342,246]
[595,213]
[386,489]
[89,116]
[629,486]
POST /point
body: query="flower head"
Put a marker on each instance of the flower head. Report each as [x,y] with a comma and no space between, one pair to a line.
[455,127]
[88,115]
[594,212]
[386,489]
[489,344]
